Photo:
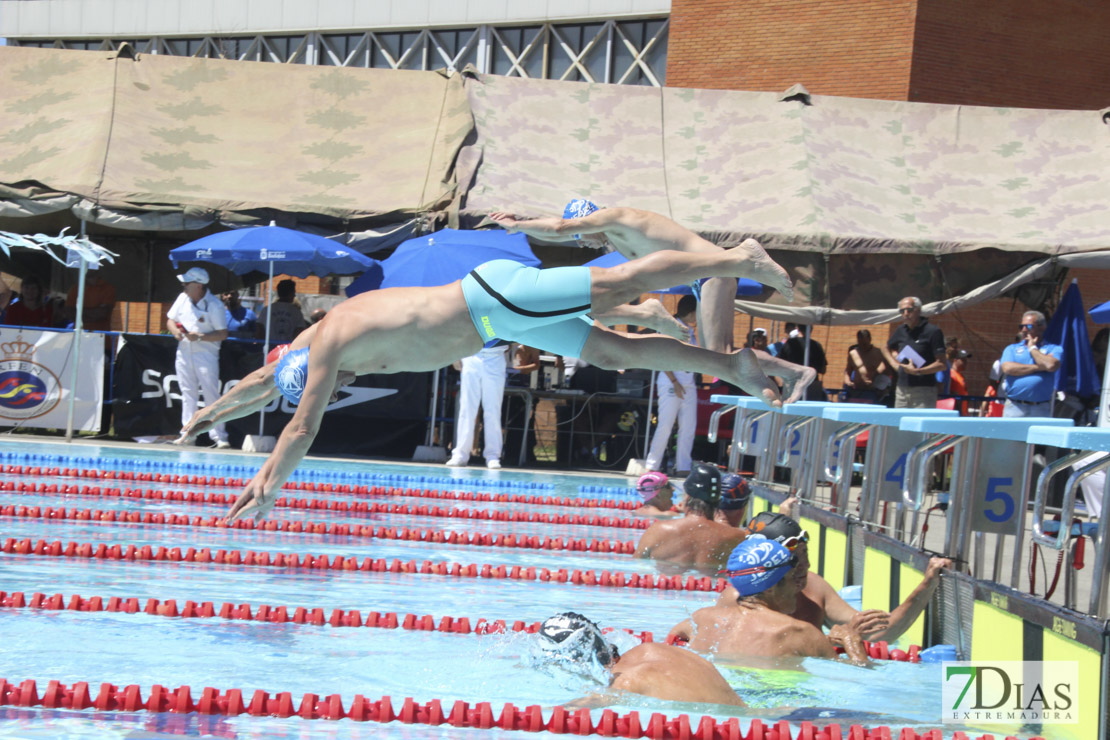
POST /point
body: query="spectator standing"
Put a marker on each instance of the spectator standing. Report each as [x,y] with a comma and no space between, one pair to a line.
[1029,370]
[866,375]
[100,300]
[198,321]
[794,350]
[285,316]
[241,320]
[916,348]
[32,309]
[678,399]
[482,382]
[757,339]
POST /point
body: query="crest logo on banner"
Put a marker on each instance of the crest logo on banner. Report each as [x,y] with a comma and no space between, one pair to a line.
[204,254]
[27,389]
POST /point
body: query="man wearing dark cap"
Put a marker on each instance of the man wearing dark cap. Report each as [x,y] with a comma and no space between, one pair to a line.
[695,540]
[820,605]
[757,620]
[735,494]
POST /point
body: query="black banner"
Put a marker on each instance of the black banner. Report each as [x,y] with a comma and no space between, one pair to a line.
[380,415]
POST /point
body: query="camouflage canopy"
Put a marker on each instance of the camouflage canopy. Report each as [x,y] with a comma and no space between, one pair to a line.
[862,200]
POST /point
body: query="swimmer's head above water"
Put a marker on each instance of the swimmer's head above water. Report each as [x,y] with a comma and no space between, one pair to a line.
[572,638]
[757,564]
[651,484]
[291,375]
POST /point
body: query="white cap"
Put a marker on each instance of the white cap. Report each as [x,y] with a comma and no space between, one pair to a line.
[195,275]
[996,370]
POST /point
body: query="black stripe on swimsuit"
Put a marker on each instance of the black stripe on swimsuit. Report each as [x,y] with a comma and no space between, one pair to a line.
[524,311]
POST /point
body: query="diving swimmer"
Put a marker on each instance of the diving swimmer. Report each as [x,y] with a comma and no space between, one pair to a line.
[423,329]
[636,233]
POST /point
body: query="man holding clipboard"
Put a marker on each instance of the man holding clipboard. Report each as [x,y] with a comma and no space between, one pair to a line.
[916,348]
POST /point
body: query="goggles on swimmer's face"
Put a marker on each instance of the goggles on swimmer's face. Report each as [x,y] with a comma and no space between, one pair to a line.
[791,543]
[755,569]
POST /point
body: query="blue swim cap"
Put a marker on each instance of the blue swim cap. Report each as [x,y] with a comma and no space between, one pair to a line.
[291,374]
[579,208]
[757,564]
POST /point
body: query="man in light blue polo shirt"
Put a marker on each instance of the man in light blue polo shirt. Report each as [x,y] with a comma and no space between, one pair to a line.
[1029,370]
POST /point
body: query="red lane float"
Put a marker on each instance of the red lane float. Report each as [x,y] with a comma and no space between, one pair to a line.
[413,534]
[251,558]
[338,618]
[203,480]
[111,698]
[360,507]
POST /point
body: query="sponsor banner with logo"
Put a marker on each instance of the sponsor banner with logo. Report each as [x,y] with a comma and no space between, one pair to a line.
[35,372]
[378,415]
[1017,694]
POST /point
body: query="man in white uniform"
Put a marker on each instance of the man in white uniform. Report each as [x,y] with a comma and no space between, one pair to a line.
[678,399]
[482,381]
[198,321]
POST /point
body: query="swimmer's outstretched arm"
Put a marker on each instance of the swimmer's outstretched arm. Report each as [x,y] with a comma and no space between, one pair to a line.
[554,228]
[249,395]
[261,493]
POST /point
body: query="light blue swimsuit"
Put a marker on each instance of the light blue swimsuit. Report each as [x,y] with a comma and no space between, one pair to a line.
[545,309]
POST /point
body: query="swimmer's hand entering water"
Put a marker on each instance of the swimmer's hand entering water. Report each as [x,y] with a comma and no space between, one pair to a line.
[253,501]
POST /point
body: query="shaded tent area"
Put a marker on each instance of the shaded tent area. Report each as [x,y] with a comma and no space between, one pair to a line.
[858,198]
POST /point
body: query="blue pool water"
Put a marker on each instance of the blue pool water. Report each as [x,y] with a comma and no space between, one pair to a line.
[140,649]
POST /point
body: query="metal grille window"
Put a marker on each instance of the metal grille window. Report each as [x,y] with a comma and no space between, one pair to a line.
[630,52]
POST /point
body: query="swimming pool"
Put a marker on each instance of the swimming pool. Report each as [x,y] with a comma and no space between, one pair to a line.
[124,648]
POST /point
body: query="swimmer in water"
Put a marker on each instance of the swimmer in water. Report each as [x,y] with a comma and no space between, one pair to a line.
[733,506]
[655,490]
[635,233]
[651,669]
[695,540]
[818,602]
[758,622]
[424,329]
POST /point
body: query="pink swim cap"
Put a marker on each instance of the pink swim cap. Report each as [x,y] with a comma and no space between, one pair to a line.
[650,484]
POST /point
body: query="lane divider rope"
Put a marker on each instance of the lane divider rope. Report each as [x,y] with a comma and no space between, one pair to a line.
[413,534]
[338,617]
[357,507]
[250,558]
[324,487]
[561,720]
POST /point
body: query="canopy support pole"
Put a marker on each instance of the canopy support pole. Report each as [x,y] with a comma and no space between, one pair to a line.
[76,356]
[266,340]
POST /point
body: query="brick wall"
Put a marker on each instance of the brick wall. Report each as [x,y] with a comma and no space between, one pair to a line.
[859,48]
[1044,54]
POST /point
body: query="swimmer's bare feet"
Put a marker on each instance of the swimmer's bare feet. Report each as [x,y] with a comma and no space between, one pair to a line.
[752,380]
[651,313]
[795,378]
[760,267]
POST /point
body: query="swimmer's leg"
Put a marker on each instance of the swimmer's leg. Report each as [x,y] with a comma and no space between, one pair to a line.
[649,313]
[716,314]
[610,350]
[612,286]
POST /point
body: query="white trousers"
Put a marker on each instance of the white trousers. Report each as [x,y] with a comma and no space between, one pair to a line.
[198,372]
[482,383]
[685,410]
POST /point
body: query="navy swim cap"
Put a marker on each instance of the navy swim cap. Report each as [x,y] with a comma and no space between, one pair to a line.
[704,483]
[757,564]
[291,374]
[735,492]
[579,208]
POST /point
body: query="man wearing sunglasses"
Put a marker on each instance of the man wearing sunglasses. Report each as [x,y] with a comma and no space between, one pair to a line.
[820,605]
[759,620]
[916,349]
[1029,370]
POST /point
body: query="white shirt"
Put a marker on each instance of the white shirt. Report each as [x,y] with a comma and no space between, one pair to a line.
[203,317]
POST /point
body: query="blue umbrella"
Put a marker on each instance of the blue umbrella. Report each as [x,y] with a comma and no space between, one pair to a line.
[1100,314]
[257,248]
[1068,328]
[444,257]
[612,259]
